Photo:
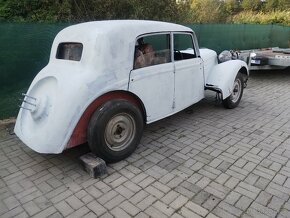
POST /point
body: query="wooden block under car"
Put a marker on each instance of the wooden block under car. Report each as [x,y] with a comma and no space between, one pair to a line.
[94,165]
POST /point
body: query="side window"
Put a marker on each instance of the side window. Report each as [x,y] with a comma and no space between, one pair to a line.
[183,46]
[152,50]
[69,51]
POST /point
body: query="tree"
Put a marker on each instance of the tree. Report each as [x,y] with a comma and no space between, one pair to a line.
[232,6]
[271,5]
[252,5]
[34,10]
[85,10]
[208,11]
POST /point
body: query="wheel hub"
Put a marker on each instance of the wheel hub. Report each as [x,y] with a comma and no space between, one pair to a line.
[236,91]
[119,131]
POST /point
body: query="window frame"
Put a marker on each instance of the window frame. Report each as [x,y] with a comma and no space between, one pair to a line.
[193,43]
[70,43]
[154,34]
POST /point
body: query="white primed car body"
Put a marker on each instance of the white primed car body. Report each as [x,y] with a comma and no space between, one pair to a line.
[64,89]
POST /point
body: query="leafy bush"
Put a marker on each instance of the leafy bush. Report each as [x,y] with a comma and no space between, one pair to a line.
[182,11]
[273,17]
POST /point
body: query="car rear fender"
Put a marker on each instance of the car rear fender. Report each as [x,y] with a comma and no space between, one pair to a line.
[222,76]
[79,135]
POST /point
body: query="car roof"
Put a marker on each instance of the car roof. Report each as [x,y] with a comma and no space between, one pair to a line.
[131,27]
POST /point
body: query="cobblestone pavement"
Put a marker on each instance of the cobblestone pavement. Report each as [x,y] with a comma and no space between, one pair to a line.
[206,161]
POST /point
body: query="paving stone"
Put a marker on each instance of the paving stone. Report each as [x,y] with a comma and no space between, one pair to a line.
[232,197]
[74,202]
[30,197]
[188,213]
[154,192]
[62,196]
[22,215]
[202,162]
[176,215]
[139,197]
[276,203]
[64,208]
[166,178]
[211,203]
[154,213]
[211,215]
[79,213]
[129,208]
[45,213]
[114,202]
[203,182]
[230,208]
[201,197]
[146,202]
[243,203]
[31,208]
[107,215]
[11,202]
[251,179]
[178,202]
[12,213]
[107,197]
[102,186]
[90,215]
[42,202]
[222,178]
[97,208]
[194,178]
[174,182]
[246,192]
[196,208]
[133,187]
[165,209]
[232,182]
[169,197]
[280,179]
[285,213]
[222,213]
[96,193]
[264,210]
[278,191]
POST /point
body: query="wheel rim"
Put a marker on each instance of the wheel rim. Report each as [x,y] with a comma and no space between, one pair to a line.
[120,131]
[236,91]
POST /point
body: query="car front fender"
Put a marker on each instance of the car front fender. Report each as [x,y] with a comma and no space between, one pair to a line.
[222,76]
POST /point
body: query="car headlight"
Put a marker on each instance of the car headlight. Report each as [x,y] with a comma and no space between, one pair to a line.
[225,56]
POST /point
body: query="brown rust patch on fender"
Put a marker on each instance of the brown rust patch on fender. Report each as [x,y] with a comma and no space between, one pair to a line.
[79,135]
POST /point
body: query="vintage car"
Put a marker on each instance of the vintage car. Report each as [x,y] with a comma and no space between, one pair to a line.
[106,79]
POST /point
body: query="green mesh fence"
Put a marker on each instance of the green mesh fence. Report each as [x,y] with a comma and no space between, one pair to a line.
[25,49]
[241,36]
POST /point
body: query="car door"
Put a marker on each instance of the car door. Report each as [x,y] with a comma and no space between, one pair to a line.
[189,81]
[152,77]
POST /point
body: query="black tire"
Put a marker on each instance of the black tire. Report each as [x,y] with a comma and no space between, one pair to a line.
[115,130]
[234,99]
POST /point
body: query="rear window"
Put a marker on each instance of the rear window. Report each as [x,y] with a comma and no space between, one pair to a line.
[70,51]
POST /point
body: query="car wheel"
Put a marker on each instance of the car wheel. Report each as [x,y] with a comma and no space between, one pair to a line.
[115,130]
[234,99]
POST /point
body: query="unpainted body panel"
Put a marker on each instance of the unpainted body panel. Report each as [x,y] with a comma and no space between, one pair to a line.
[62,91]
